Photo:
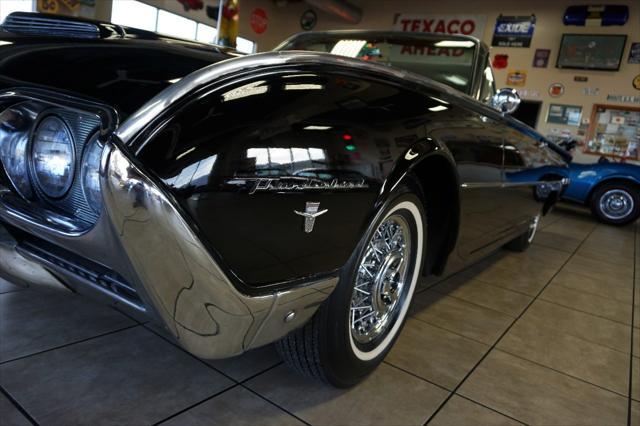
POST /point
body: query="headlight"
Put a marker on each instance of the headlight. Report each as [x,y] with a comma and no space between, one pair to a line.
[53,157]
[14,139]
[91,173]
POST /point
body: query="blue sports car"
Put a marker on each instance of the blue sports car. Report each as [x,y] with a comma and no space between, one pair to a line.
[610,189]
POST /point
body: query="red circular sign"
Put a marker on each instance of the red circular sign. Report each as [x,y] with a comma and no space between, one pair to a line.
[259,20]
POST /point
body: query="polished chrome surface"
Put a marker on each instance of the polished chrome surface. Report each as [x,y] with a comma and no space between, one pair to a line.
[21,271]
[533,227]
[380,280]
[310,214]
[195,299]
[506,100]
[616,204]
[148,112]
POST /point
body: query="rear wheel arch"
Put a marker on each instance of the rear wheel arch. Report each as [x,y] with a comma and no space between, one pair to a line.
[439,192]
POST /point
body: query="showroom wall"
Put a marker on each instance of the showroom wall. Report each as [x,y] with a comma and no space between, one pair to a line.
[283,19]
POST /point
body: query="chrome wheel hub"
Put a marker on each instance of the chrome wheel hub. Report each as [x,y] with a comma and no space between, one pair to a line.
[616,204]
[381,280]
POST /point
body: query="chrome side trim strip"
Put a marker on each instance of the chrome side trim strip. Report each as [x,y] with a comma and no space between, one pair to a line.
[475,185]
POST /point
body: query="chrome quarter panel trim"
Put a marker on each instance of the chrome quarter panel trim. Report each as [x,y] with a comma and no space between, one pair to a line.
[303,302]
[189,291]
[21,271]
[191,294]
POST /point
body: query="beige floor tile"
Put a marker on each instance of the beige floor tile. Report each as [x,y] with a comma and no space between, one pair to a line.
[472,321]
[598,252]
[635,413]
[616,290]
[585,326]
[243,366]
[586,302]
[588,361]
[528,279]
[237,407]
[506,301]
[600,270]
[557,241]
[636,342]
[435,354]
[547,256]
[10,415]
[635,380]
[537,395]
[388,397]
[460,411]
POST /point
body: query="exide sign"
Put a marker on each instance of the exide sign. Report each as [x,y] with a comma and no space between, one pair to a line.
[472,25]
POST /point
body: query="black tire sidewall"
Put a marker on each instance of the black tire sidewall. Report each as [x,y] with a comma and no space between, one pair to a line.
[341,365]
[633,192]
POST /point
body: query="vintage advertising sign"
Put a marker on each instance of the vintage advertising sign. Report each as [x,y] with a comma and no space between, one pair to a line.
[471,25]
[541,58]
[624,99]
[513,31]
[556,90]
[61,7]
[516,78]
[634,54]
[258,20]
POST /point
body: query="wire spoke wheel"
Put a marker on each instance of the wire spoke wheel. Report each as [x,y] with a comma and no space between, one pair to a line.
[381,280]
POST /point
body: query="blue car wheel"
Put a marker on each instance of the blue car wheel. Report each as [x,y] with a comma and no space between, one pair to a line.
[616,203]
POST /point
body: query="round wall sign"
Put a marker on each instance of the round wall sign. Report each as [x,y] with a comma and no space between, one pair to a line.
[556,89]
[258,20]
[636,82]
[308,20]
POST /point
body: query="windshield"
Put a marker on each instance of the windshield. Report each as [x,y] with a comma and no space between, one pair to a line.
[448,61]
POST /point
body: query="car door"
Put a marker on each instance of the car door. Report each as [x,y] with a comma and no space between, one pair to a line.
[527,163]
[476,145]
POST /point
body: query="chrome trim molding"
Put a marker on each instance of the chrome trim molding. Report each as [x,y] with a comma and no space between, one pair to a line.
[21,271]
[191,294]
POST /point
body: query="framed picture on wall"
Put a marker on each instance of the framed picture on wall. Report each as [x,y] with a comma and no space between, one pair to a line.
[568,115]
[591,51]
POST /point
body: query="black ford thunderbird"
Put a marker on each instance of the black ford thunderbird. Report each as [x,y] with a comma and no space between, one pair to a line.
[295,196]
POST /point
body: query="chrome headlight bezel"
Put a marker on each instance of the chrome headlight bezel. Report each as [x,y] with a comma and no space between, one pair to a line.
[48,192]
[93,196]
[16,138]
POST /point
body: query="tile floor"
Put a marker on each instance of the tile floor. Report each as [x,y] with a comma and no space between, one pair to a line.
[542,337]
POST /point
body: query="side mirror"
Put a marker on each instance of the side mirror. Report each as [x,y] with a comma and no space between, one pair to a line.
[506,100]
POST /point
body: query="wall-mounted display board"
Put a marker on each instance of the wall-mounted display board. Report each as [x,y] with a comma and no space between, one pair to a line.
[614,131]
[591,52]
[564,114]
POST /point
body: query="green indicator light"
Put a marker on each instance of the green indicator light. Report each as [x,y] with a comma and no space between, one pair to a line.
[350,147]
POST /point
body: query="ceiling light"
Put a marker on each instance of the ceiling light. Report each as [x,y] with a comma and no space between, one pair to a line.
[317,127]
[438,108]
[349,48]
[455,43]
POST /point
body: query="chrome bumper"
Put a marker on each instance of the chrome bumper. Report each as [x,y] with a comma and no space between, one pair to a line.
[144,238]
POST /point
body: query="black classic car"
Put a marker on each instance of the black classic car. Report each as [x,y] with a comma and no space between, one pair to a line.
[294,196]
